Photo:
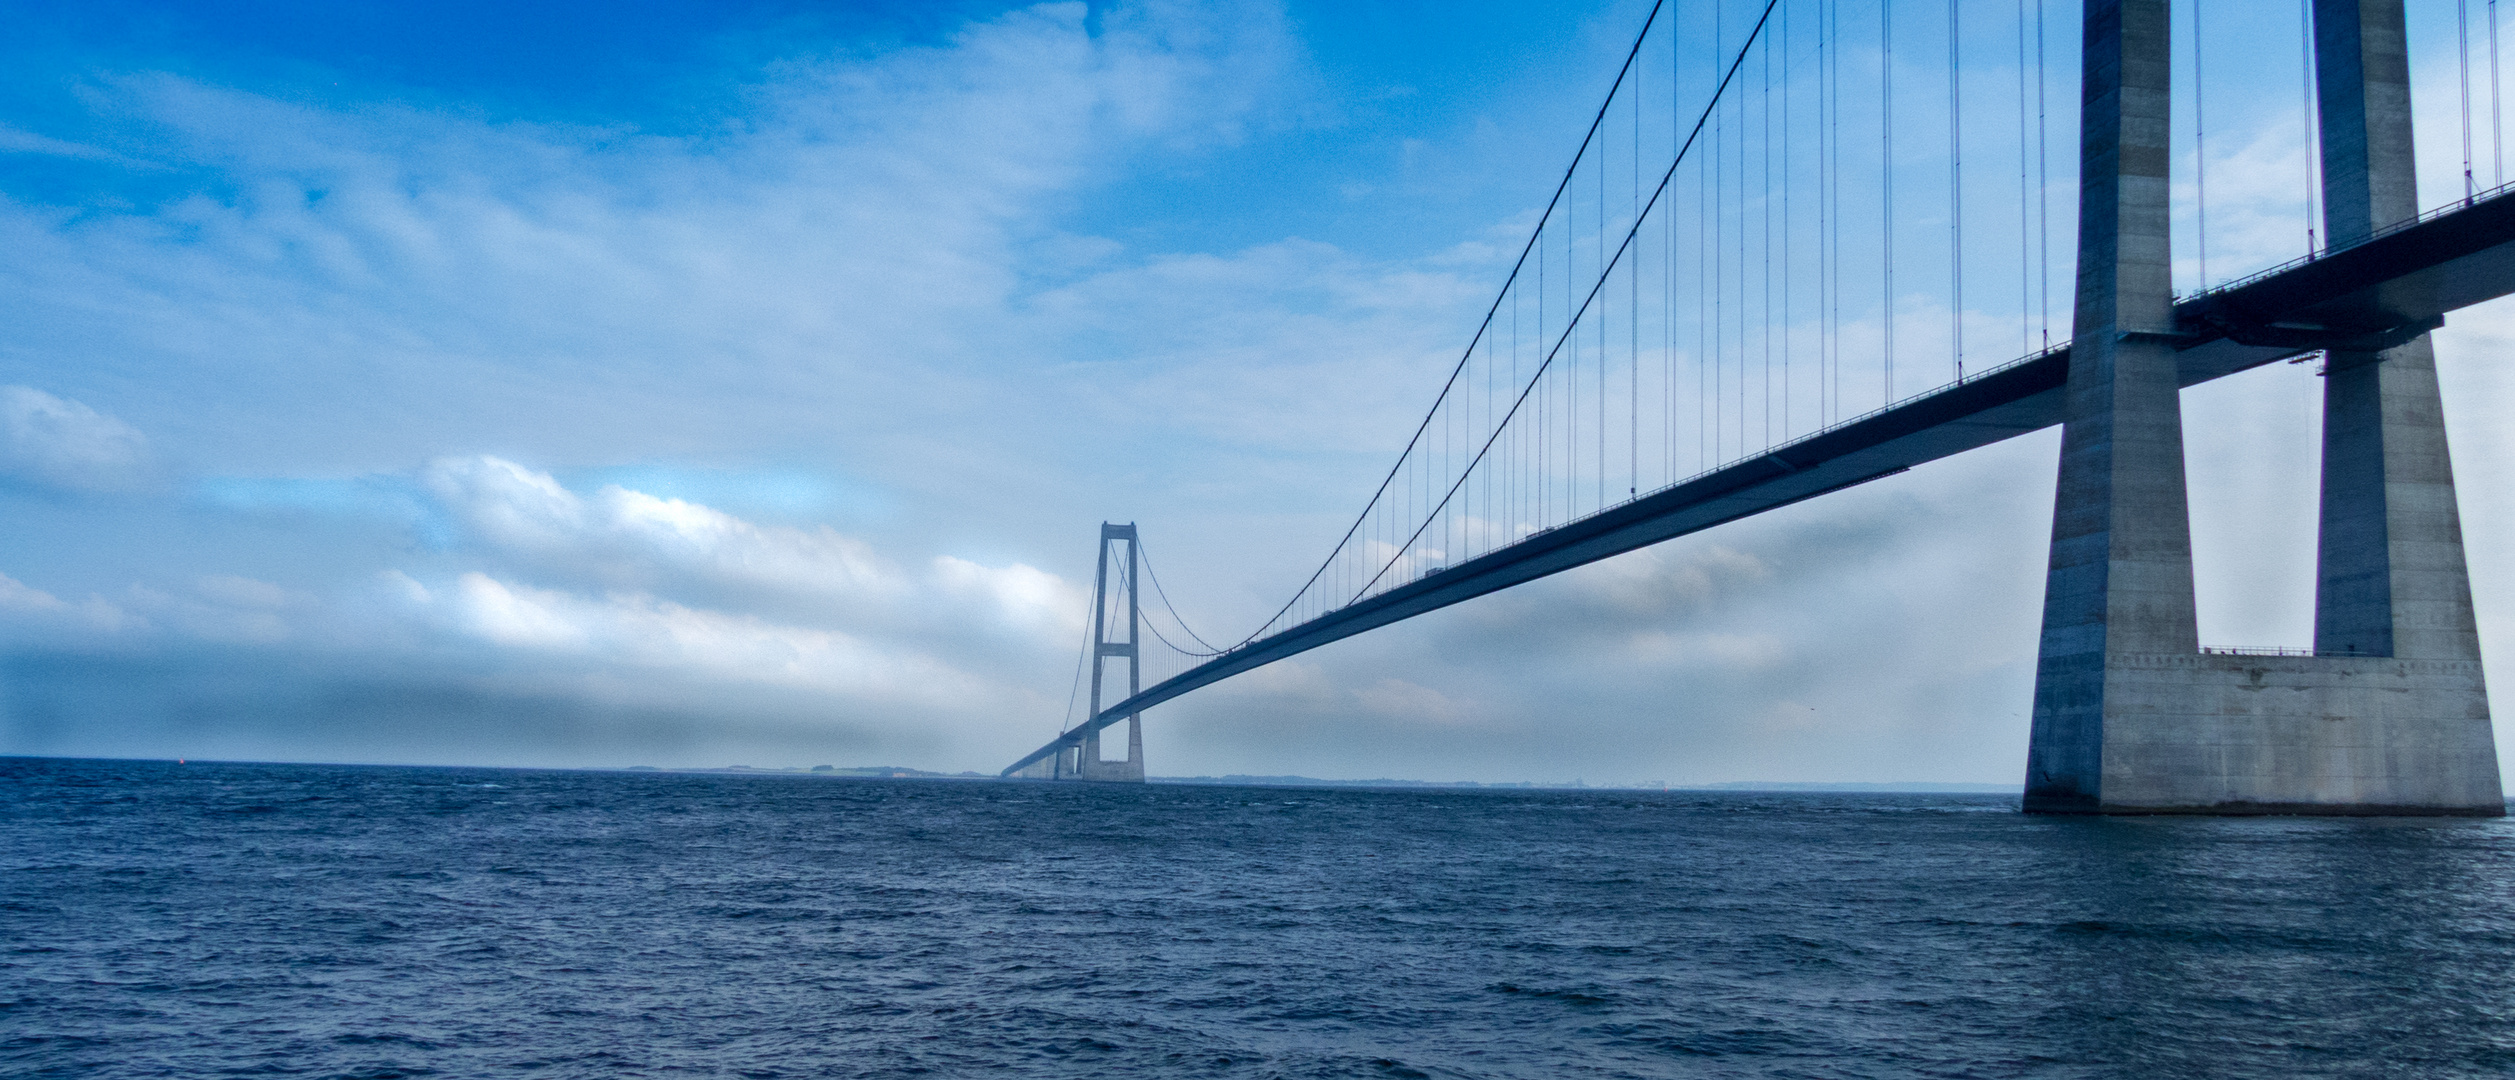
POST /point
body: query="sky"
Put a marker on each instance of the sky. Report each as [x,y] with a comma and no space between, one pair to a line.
[705,384]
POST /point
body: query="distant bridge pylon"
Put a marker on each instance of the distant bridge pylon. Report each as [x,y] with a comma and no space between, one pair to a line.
[1079,758]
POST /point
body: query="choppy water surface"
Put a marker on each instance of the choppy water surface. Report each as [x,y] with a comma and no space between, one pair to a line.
[198,920]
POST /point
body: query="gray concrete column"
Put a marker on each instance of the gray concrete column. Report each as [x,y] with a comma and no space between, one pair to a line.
[2390,578]
[2353,597]
[2423,541]
[2362,64]
[2120,577]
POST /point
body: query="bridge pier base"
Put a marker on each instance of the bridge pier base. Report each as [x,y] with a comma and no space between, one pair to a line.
[1089,766]
[2389,715]
[1080,759]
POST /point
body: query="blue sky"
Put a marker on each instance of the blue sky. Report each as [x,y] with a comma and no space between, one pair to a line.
[700,384]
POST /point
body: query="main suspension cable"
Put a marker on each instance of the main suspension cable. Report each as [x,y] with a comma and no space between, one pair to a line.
[1572,318]
[1149,572]
[1482,328]
[1081,653]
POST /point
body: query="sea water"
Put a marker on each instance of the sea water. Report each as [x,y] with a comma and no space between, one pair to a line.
[303,920]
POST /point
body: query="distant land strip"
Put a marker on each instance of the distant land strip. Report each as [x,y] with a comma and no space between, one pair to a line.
[902,772]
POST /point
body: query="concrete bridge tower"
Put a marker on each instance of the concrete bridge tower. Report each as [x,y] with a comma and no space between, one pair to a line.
[1075,753]
[2389,715]
[1080,759]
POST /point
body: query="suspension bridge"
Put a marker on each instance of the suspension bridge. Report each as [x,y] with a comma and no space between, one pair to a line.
[1805,244]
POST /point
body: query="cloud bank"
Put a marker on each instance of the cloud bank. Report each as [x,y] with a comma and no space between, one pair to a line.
[51,443]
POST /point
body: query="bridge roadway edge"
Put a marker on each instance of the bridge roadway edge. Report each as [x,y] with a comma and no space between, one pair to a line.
[2418,270]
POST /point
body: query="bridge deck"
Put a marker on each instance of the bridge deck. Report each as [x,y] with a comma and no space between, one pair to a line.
[2408,276]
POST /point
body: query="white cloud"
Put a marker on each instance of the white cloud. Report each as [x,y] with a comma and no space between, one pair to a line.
[17,140]
[527,511]
[1025,595]
[16,596]
[901,636]
[1292,344]
[35,609]
[51,442]
[505,616]
[249,593]
[1398,699]
[1662,649]
[643,631]
[961,647]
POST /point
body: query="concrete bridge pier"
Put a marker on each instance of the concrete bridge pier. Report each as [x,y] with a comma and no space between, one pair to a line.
[1089,766]
[2389,715]
[1081,760]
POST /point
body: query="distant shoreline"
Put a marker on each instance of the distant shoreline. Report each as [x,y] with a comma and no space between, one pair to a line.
[902,772]
[895,772]
[1905,786]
